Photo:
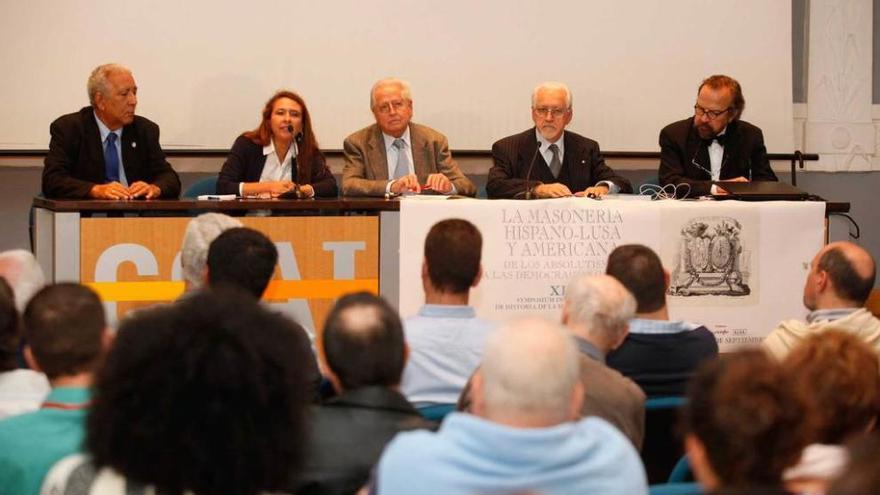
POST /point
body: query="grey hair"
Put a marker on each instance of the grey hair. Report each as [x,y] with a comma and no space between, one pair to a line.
[406,90]
[200,233]
[20,268]
[98,79]
[601,304]
[530,366]
[553,85]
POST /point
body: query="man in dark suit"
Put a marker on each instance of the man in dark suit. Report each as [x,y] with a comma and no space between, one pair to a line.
[105,151]
[569,164]
[395,156]
[714,145]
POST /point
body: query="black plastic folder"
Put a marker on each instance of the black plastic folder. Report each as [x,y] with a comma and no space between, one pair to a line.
[761,191]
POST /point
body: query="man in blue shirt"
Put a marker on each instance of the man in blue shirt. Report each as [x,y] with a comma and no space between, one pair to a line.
[446,338]
[67,339]
[525,434]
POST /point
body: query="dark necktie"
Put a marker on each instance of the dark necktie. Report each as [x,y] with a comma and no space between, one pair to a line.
[555,164]
[111,159]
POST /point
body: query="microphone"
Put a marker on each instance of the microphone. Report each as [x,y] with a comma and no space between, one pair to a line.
[294,166]
[529,172]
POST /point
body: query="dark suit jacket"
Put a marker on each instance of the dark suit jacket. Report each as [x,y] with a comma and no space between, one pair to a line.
[582,166]
[245,164]
[348,435]
[75,162]
[680,146]
[366,166]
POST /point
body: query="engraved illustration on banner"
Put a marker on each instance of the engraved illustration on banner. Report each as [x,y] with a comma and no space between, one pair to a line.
[710,259]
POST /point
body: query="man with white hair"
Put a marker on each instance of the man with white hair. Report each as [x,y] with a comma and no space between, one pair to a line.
[569,164]
[200,233]
[525,434]
[395,156]
[105,151]
[597,310]
[21,270]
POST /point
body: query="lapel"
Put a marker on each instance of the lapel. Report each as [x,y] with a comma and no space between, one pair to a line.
[527,148]
[419,153]
[729,164]
[695,151]
[576,162]
[376,158]
[94,148]
[129,153]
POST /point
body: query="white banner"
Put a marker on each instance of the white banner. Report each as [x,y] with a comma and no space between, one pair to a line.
[736,267]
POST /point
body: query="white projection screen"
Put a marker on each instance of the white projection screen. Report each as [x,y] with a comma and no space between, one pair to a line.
[205,67]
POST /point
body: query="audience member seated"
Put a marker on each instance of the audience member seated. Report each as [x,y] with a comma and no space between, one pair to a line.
[205,396]
[597,310]
[362,354]
[21,390]
[840,280]
[67,338]
[279,157]
[839,376]
[524,435]
[397,156]
[446,338]
[20,268]
[105,151]
[243,258]
[743,424]
[860,476]
[200,233]
[658,354]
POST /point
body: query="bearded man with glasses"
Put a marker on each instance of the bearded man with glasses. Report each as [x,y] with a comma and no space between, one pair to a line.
[547,161]
[714,145]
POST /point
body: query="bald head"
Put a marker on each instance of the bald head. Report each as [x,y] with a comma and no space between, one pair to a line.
[841,274]
[362,343]
[530,371]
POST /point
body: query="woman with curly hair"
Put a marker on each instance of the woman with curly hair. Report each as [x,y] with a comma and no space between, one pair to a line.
[743,424]
[207,396]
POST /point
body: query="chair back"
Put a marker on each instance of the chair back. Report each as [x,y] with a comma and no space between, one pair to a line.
[676,489]
[436,412]
[681,473]
[662,447]
[201,187]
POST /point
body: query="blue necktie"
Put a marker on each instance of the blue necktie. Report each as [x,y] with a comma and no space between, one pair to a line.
[111,159]
[402,167]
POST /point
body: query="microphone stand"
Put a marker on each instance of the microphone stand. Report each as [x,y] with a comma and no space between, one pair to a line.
[529,172]
[294,166]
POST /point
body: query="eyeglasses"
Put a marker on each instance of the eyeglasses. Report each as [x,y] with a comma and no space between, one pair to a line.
[387,107]
[709,114]
[545,111]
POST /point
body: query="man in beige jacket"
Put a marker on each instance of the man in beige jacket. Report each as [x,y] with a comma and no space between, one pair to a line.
[840,280]
[395,156]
